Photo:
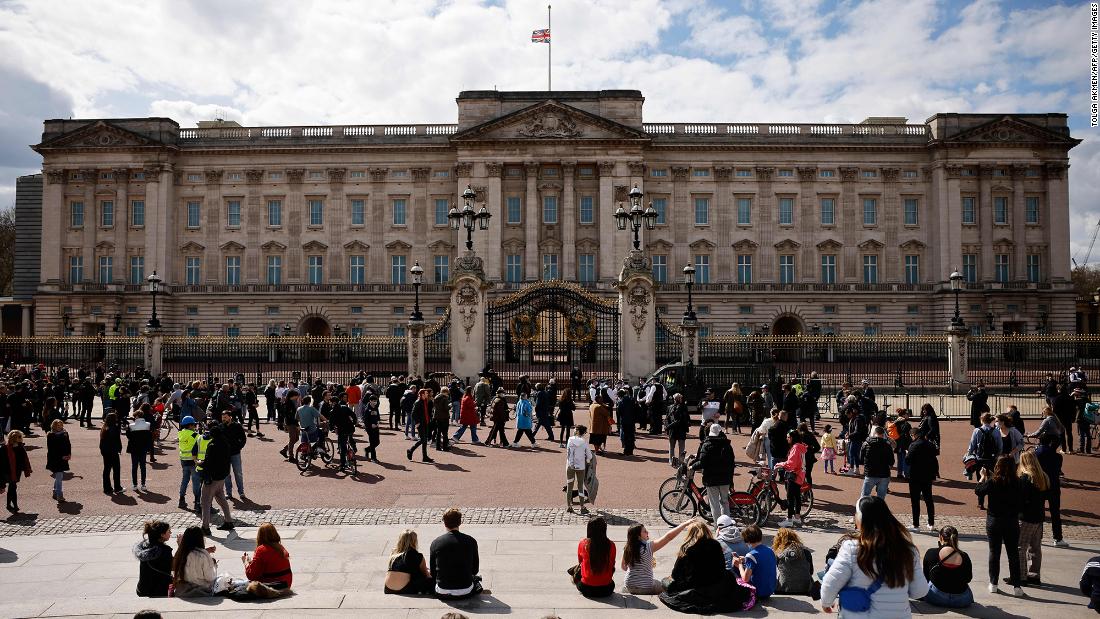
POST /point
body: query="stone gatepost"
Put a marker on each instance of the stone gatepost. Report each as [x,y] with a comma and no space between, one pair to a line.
[637,332]
[689,342]
[469,301]
[956,356]
[415,347]
[154,340]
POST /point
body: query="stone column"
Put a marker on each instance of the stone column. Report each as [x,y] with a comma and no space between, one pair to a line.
[494,256]
[568,216]
[951,222]
[415,347]
[1058,228]
[160,233]
[338,223]
[637,301]
[766,208]
[605,262]
[92,217]
[1019,227]
[154,339]
[295,212]
[956,356]
[26,326]
[469,300]
[808,225]
[213,264]
[122,223]
[531,222]
[253,224]
[850,226]
[985,220]
[376,226]
[55,218]
[726,221]
[891,215]
[421,218]
[689,341]
[681,217]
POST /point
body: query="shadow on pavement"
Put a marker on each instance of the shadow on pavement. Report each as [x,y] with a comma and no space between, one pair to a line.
[7,556]
[71,508]
[480,604]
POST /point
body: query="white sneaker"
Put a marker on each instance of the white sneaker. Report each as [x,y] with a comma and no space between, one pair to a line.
[993,588]
[135,487]
[797,521]
[1017,592]
[143,488]
[930,528]
[1061,543]
[786,523]
[914,528]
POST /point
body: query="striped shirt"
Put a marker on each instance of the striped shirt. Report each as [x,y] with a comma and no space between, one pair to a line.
[640,574]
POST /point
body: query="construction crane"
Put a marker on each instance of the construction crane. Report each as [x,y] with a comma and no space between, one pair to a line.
[1088,252]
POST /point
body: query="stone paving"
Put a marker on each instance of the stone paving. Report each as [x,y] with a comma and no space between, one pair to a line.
[339,570]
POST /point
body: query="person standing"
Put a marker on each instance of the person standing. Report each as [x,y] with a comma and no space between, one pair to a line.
[878,458]
[902,428]
[214,468]
[455,391]
[985,447]
[58,452]
[139,443]
[566,406]
[544,411]
[422,412]
[1084,425]
[628,412]
[393,398]
[468,417]
[929,424]
[14,464]
[655,397]
[1035,485]
[978,398]
[1002,524]
[188,441]
[372,420]
[1065,409]
[578,455]
[235,439]
[441,405]
[794,475]
[716,461]
[777,437]
[409,401]
[110,446]
[813,449]
[922,459]
[676,427]
[1051,462]
[483,397]
[733,405]
[599,418]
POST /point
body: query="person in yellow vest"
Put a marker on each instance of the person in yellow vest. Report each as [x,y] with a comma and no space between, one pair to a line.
[189,444]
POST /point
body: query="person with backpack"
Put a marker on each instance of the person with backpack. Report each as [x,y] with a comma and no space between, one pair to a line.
[985,447]
[676,427]
[899,431]
[716,460]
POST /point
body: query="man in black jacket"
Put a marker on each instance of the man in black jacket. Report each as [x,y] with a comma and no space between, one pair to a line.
[454,561]
[627,410]
[878,458]
[716,460]
[393,397]
[235,439]
[676,426]
[922,458]
[214,468]
[343,422]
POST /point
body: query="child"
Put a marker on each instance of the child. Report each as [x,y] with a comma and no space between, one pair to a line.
[758,567]
[828,449]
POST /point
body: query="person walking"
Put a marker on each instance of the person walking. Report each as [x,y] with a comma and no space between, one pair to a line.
[524,414]
[1002,524]
[235,438]
[733,405]
[716,461]
[58,453]
[578,455]
[498,416]
[188,441]
[922,460]
[409,400]
[213,466]
[628,412]
[1084,424]
[483,397]
[372,420]
[468,417]
[393,398]
[441,419]
[422,413]
[878,458]
[566,406]
[139,443]
[14,464]
[599,419]
[676,427]
[1035,485]
[110,446]
[291,424]
[544,411]
[1066,409]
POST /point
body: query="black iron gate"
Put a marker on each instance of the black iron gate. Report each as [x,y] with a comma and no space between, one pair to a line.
[547,329]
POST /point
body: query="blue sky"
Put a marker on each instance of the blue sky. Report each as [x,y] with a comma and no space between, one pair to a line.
[336,61]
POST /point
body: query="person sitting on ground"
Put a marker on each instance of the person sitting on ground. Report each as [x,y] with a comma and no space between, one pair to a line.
[733,545]
[155,560]
[271,563]
[1090,583]
[638,560]
[949,572]
[595,562]
[794,563]
[193,566]
[454,562]
[758,567]
[407,573]
[700,583]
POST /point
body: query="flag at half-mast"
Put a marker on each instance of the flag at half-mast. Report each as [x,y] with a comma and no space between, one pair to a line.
[540,36]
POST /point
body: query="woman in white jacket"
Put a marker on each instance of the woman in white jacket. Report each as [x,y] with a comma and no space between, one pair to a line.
[882,561]
[193,567]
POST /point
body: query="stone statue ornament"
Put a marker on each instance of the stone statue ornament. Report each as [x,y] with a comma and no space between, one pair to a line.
[581,328]
[638,301]
[550,125]
[524,327]
[467,307]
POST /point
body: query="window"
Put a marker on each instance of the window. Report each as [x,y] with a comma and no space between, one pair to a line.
[828,309]
[975,330]
[549,209]
[744,268]
[131,331]
[233,214]
[870,330]
[356,309]
[76,269]
[828,206]
[192,331]
[194,177]
[744,309]
[398,331]
[193,271]
[397,269]
[744,211]
[870,269]
[786,173]
[317,174]
[361,174]
[272,310]
[585,171]
[969,214]
[827,174]
[137,213]
[587,213]
[661,206]
[442,207]
[700,172]
[912,309]
[106,213]
[828,269]
[233,270]
[192,310]
[234,176]
[232,332]
[1000,210]
[1000,267]
[357,331]
[658,173]
[76,214]
[702,268]
[106,269]
[137,270]
[702,211]
[194,213]
[870,174]
[870,211]
[274,270]
[743,173]
[909,174]
[549,171]
[1033,273]
[359,213]
[744,330]
[316,212]
[1031,210]
[439,310]
[912,330]
[910,206]
[870,309]
[399,212]
[786,211]
[275,176]
[139,176]
[437,173]
[660,269]
[316,269]
[586,267]
[1000,172]
[442,269]
[912,269]
[786,269]
[131,309]
[514,210]
[513,268]
[357,269]
[970,268]
[549,266]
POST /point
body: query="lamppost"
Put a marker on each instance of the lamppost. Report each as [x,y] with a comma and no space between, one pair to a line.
[689,279]
[154,287]
[957,321]
[118,321]
[287,329]
[467,218]
[990,320]
[418,275]
[636,217]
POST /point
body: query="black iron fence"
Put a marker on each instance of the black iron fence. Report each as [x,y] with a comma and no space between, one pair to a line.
[73,351]
[1024,360]
[437,344]
[667,342]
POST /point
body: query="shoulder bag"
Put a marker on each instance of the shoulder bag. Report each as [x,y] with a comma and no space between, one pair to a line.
[858,599]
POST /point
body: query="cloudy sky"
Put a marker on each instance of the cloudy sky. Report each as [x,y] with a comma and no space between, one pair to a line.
[403,61]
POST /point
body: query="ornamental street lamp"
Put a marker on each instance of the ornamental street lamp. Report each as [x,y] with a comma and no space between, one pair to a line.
[689,279]
[956,287]
[636,217]
[287,329]
[418,275]
[154,287]
[467,218]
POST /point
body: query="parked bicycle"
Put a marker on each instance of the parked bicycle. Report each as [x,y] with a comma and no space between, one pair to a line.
[765,490]
[685,501]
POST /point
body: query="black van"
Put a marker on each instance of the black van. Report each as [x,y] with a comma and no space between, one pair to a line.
[694,380]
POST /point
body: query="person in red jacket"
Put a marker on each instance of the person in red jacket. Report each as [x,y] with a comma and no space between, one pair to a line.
[794,473]
[271,563]
[13,465]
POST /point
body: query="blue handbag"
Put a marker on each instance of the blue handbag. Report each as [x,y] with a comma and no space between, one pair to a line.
[858,599]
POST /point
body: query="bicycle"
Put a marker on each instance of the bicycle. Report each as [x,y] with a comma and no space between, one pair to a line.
[766,492]
[306,451]
[681,504]
[165,425]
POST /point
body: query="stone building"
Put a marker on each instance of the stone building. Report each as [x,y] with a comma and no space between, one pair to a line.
[830,228]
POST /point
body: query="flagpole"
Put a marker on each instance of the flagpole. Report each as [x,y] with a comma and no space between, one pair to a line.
[549,45]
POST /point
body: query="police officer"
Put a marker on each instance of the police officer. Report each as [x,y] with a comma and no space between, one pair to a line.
[189,441]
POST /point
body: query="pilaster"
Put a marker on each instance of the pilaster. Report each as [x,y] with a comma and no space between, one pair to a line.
[55,220]
[1058,231]
[849,226]
[605,263]
[253,224]
[682,219]
[376,226]
[568,222]
[892,268]
[766,209]
[1019,227]
[494,255]
[725,219]
[531,270]
[808,224]
[985,220]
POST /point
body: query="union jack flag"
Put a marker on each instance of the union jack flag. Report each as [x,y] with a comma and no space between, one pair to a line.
[541,36]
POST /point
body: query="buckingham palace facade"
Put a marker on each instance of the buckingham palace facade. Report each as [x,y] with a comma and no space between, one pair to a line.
[823,228]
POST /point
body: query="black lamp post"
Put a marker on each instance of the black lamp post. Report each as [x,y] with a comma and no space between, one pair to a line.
[118,321]
[467,218]
[287,329]
[689,279]
[418,275]
[636,217]
[957,321]
[154,287]
[990,320]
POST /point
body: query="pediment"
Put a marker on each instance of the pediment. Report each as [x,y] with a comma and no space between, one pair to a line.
[553,244]
[398,246]
[787,245]
[273,247]
[356,246]
[99,134]
[748,245]
[192,247]
[315,246]
[550,120]
[105,246]
[871,245]
[1003,241]
[913,245]
[660,245]
[1010,130]
[513,245]
[441,246]
[231,246]
[829,245]
[702,244]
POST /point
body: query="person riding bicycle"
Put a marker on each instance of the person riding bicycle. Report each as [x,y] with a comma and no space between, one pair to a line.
[343,421]
[308,420]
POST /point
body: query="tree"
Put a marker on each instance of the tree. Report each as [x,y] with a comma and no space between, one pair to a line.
[7,250]
[1086,279]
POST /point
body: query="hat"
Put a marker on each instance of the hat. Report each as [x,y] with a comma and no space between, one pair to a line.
[715,430]
[864,382]
[763,386]
[500,389]
[724,521]
[187,421]
[728,531]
